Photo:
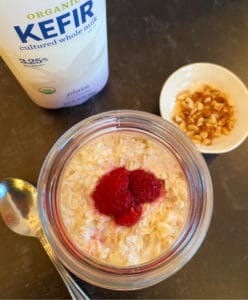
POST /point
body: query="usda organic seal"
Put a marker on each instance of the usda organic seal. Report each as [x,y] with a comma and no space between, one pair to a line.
[47,90]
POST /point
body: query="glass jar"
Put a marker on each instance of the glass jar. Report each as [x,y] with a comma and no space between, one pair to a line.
[199,191]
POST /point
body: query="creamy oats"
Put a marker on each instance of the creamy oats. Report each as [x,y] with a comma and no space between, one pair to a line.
[98,235]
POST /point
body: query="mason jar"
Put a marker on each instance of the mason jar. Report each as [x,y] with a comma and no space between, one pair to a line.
[52,185]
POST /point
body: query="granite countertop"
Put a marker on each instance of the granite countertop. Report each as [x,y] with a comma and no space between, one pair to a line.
[148,40]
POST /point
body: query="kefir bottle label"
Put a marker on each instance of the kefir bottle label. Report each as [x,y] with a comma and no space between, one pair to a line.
[57,49]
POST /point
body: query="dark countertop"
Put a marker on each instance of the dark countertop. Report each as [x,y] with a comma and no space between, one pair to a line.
[148,40]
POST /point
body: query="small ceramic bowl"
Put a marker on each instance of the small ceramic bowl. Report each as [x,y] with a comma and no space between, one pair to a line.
[224,80]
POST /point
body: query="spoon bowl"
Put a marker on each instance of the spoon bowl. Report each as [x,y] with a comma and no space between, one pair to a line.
[19,212]
[18,206]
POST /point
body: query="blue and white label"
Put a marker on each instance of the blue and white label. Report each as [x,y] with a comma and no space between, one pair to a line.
[55,50]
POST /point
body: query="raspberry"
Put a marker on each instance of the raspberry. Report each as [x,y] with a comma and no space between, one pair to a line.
[111,195]
[131,217]
[144,186]
[121,194]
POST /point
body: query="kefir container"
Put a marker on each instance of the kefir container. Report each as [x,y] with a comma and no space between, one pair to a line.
[57,49]
[84,240]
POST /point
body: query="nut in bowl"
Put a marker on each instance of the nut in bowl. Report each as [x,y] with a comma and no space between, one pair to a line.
[208,103]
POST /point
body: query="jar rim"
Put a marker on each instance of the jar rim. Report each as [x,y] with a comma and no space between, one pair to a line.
[140,276]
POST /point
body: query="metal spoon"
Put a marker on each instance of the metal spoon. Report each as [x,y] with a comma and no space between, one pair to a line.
[19,212]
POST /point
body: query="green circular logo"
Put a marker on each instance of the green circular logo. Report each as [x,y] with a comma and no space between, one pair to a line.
[47,90]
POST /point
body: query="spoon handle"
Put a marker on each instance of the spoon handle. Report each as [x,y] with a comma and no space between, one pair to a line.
[73,288]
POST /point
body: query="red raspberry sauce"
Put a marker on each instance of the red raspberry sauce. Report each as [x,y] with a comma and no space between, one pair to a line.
[121,194]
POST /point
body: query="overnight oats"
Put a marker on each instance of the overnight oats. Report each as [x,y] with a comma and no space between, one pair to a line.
[125,199]
[145,229]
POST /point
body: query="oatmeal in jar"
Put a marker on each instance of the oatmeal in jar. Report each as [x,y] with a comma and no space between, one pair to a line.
[101,235]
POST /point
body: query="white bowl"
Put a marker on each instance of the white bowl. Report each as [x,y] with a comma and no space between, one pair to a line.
[222,79]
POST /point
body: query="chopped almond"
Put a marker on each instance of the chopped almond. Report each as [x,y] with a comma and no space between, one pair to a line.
[203,114]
